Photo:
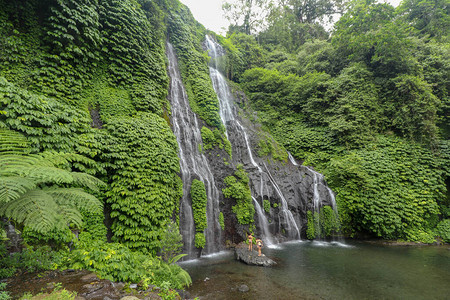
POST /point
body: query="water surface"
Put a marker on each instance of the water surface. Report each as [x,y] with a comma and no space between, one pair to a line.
[324,270]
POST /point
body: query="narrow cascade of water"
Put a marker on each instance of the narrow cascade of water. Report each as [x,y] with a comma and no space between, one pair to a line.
[288,218]
[193,164]
[264,224]
[319,180]
[227,114]
[291,159]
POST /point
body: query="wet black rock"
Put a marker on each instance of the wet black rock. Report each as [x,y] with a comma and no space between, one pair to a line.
[251,257]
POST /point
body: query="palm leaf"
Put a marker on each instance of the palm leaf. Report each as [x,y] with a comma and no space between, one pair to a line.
[13,187]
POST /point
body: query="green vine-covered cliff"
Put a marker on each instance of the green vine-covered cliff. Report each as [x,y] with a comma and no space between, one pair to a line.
[368,106]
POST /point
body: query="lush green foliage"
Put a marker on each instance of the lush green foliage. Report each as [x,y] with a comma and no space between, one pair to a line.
[222,221]
[40,191]
[266,204]
[268,146]
[186,35]
[443,230]
[30,260]
[116,262]
[144,187]
[215,138]
[4,295]
[47,124]
[237,188]
[390,188]
[199,201]
[322,224]
[369,108]
[310,227]
[171,242]
[200,240]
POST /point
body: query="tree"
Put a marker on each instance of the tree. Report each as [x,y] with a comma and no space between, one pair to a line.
[429,17]
[291,23]
[38,190]
[245,15]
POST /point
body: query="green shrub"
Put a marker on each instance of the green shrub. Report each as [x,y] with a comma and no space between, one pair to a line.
[221,221]
[215,138]
[116,262]
[200,240]
[4,295]
[237,188]
[310,230]
[443,230]
[56,238]
[199,201]
[266,204]
[171,242]
[329,221]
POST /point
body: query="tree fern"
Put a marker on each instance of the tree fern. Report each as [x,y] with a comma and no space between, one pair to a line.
[34,187]
[12,142]
[77,198]
[35,209]
[13,187]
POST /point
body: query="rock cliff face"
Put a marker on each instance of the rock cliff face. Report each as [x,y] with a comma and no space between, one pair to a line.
[295,183]
[291,189]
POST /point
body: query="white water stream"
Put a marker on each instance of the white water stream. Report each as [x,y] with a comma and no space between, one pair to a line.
[193,164]
[227,114]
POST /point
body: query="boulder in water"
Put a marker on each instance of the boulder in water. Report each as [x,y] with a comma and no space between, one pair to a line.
[251,257]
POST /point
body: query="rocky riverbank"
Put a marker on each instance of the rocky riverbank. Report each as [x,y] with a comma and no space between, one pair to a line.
[85,283]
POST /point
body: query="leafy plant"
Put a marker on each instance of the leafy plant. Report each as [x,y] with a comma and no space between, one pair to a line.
[32,190]
[200,240]
[171,243]
[222,221]
[199,202]
[237,188]
[116,262]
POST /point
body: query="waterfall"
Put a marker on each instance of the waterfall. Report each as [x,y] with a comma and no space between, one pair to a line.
[228,116]
[291,159]
[317,200]
[193,164]
[264,224]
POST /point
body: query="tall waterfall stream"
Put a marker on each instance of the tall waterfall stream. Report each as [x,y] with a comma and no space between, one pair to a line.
[194,165]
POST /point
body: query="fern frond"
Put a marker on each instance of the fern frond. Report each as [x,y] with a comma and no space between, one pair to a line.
[11,161]
[71,216]
[76,198]
[12,142]
[88,181]
[13,187]
[47,175]
[34,209]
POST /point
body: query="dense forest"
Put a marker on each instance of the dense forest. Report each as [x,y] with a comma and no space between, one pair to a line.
[89,164]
